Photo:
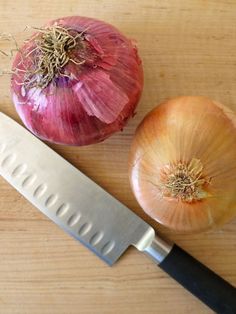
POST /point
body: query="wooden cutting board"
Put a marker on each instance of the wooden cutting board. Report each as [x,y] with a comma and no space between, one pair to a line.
[188,47]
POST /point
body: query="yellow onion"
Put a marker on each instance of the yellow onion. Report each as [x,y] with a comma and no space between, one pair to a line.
[183,164]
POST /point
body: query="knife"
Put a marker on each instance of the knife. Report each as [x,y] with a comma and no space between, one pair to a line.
[95,218]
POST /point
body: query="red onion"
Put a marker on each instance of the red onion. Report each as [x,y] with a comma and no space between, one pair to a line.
[76,81]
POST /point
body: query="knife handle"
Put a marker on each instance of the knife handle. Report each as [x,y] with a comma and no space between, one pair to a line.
[202,282]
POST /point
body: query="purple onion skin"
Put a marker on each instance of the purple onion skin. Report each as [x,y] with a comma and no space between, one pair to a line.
[93,104]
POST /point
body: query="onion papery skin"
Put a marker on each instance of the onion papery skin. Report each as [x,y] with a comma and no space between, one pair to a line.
[98,98]
[182,130]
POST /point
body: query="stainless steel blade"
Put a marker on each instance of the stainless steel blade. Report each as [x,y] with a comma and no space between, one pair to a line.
[67,196]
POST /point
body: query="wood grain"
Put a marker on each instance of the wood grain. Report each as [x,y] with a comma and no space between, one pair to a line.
[188,47]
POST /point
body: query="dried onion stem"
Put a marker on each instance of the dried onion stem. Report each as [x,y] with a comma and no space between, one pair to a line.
[184,181]
[53,47]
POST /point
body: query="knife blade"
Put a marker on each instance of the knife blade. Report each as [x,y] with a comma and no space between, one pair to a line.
[94,217]
[66,196]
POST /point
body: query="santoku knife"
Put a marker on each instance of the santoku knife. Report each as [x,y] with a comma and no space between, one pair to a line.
[95,218]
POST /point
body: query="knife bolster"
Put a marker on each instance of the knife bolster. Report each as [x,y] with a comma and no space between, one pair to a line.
[158,250]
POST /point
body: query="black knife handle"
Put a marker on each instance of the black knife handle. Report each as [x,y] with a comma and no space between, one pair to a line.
[210,288]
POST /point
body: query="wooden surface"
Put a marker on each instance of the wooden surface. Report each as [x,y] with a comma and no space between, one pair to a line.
[187,47]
